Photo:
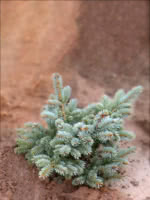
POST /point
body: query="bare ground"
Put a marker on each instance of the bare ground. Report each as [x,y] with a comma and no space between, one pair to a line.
[36,44]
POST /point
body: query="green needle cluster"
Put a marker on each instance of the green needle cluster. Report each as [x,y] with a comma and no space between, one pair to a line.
[81,144]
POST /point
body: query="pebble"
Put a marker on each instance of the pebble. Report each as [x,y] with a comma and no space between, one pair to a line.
[134,183]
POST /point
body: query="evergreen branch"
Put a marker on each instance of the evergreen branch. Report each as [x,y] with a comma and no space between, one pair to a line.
[82,144]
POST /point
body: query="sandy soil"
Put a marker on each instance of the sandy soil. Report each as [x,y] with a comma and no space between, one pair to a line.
[39,38]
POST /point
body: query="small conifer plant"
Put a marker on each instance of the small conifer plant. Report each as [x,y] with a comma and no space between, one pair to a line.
[81,144]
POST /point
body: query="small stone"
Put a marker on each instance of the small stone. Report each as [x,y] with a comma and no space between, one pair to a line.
[124,187]
[134,183]
[147,198]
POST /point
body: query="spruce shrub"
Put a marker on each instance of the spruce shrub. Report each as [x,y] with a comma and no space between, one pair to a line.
[81,144]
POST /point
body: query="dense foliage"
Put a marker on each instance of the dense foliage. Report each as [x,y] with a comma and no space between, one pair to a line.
[82,144]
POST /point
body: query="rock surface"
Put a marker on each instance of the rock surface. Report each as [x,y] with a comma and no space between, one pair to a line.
[98,47]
